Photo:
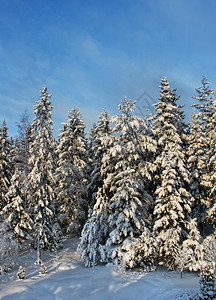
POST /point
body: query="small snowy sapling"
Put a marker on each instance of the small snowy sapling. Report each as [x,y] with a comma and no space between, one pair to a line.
[21,273]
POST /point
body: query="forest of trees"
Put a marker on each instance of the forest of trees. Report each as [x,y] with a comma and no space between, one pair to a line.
[138,192]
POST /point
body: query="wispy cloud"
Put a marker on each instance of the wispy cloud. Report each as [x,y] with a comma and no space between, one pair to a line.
[92,55]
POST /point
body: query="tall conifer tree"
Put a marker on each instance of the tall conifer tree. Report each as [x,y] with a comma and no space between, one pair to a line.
[173,201]
[5,164]
[98,148]
[209,179]
[41,181]
[206,116]
[123,196]
[196,154]
[72,173]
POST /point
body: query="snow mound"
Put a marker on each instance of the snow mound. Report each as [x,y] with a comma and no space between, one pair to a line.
[67,278]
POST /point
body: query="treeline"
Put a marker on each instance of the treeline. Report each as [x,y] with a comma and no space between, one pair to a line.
[138,191]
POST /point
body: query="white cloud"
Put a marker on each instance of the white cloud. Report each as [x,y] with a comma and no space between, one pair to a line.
[88,47]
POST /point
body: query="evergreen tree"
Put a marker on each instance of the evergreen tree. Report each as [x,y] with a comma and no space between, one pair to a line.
[13,154]
[128,200]
[41,182]
[95,177]
[209,249]
[193,243]
[205,101]
[209,179]
[197,168]
[94,233]
[147,146]
[72,174]
[207,286]
[123,195]
[157,122]
[5,164]
[8,248]
[169,247]
[205,108]
[18,220]
[140,251]
[179,123]
[15,213]
[97,147]
[173,201]
[92,138]
[21,154]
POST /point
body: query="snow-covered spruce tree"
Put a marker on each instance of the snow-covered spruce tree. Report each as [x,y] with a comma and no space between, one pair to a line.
[122,200]
[92,244]
[193,244]
[141,251]
[97,149]
[71,175]
[205,101]
[204,108]
[5,164]
[94,233]
[15,214]
[197,167]
[21,154]
[208,268]
[157,121]
[8,248]
[147,146]
[173,201]
[168,116]
[94,178]
[209,249]
[41,195]
[93,136]
[19,222]
[207,286]
[179,120]
[13,153]
[209,179]
[129,203]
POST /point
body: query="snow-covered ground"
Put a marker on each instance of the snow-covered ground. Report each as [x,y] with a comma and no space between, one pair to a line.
[67,278]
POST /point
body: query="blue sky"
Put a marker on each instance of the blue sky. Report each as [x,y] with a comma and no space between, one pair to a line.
[90,54]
